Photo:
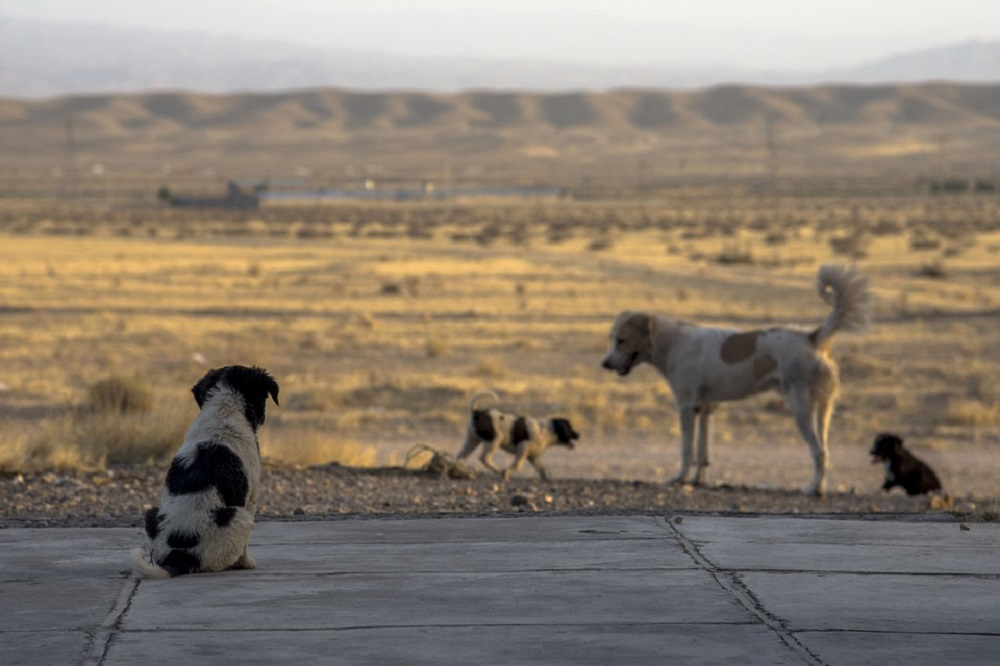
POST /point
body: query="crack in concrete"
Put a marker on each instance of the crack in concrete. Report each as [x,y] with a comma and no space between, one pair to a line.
[732,583]
[111,624]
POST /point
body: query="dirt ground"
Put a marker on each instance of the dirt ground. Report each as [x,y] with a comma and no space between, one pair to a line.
[762,480]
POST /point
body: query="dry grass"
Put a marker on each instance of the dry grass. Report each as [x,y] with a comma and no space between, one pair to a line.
[379,336]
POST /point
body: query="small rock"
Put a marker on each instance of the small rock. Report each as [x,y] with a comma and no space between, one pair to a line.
[963,527]
[518,500]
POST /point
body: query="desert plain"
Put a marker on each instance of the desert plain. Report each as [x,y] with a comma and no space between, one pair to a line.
[381,316]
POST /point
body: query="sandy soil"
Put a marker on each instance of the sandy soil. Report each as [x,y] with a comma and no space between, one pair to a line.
[766,482]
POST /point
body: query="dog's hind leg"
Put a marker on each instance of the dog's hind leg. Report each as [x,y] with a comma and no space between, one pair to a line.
[244,561]
[687,442]
[486,457]
[471,441]
[806,419]
[704,432]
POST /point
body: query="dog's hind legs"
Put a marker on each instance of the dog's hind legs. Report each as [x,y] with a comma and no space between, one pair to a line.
[704,432]
[687,442]
[806,421]
[244,562]
[486,457]
[471,441]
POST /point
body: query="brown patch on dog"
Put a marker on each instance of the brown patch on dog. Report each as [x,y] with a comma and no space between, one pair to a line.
[763,366]
[519,431]
[739,347]
[482,422]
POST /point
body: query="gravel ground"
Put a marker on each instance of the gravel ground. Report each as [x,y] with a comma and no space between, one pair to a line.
[118,496]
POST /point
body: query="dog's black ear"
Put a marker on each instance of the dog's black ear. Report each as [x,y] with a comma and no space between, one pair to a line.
[206,384]
[564,431]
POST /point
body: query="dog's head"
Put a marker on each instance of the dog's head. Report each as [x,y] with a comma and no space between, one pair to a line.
[885,447]
[253,384]
[631,342]
[564,432]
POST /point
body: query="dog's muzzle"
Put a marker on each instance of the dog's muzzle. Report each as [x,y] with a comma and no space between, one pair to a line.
[622,369]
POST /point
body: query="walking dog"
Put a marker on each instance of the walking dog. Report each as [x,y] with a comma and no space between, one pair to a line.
[902,468]
[526,438]
[705,366]
[207,505]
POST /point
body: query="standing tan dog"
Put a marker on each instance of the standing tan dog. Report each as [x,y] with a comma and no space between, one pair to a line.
[705,366]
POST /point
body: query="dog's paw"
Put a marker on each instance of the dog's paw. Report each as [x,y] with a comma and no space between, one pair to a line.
[245,562]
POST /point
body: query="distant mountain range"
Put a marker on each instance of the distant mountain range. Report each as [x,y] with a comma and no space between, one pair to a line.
[47,59]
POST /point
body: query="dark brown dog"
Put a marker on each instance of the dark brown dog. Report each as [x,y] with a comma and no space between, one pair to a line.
[902,468]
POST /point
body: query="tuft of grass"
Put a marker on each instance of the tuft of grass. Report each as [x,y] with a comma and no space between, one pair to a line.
[88,439]
[972,413]
[435,347]
[119,395]
[305,445]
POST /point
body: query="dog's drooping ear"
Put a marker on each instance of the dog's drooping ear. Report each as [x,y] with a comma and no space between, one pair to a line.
[206,384]
[640,322]
[564,431]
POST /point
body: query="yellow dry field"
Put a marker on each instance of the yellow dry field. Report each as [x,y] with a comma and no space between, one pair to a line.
[381,321]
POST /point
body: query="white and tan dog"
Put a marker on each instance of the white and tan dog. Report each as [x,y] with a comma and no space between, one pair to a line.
[705,366]
[526,438]
[207,506]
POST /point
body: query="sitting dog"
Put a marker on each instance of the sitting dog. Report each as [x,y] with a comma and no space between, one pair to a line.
[207,506]
[526,438]
[902,468]
[705,366]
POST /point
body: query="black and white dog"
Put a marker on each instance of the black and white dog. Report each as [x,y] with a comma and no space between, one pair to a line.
[207,506]
[526,438]
[902,468]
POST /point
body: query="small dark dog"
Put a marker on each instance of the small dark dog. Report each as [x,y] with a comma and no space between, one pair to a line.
[902,468]
[525,437]
[207,506]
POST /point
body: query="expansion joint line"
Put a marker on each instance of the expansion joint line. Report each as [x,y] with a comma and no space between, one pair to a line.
[733,585]
[111,625]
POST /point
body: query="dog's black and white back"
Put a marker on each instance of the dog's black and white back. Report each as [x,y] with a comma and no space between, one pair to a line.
[527,438]
[902,468]
[208,502]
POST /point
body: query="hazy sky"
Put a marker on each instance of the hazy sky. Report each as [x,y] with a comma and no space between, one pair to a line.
[770,34]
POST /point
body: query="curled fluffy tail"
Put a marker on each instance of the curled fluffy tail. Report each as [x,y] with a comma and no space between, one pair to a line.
[482,394]
[846,292]
[144,567]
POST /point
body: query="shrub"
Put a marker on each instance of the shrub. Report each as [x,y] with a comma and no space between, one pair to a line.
[121,395]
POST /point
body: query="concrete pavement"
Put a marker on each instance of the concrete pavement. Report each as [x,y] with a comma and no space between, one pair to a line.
[692,589]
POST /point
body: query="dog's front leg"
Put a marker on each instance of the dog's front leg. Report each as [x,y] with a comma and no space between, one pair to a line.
[522,455]
[701,458]
[539,467]
[687,441]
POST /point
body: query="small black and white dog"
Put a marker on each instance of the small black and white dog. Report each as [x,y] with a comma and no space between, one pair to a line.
[525,437]
[902,468]
[207,506]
